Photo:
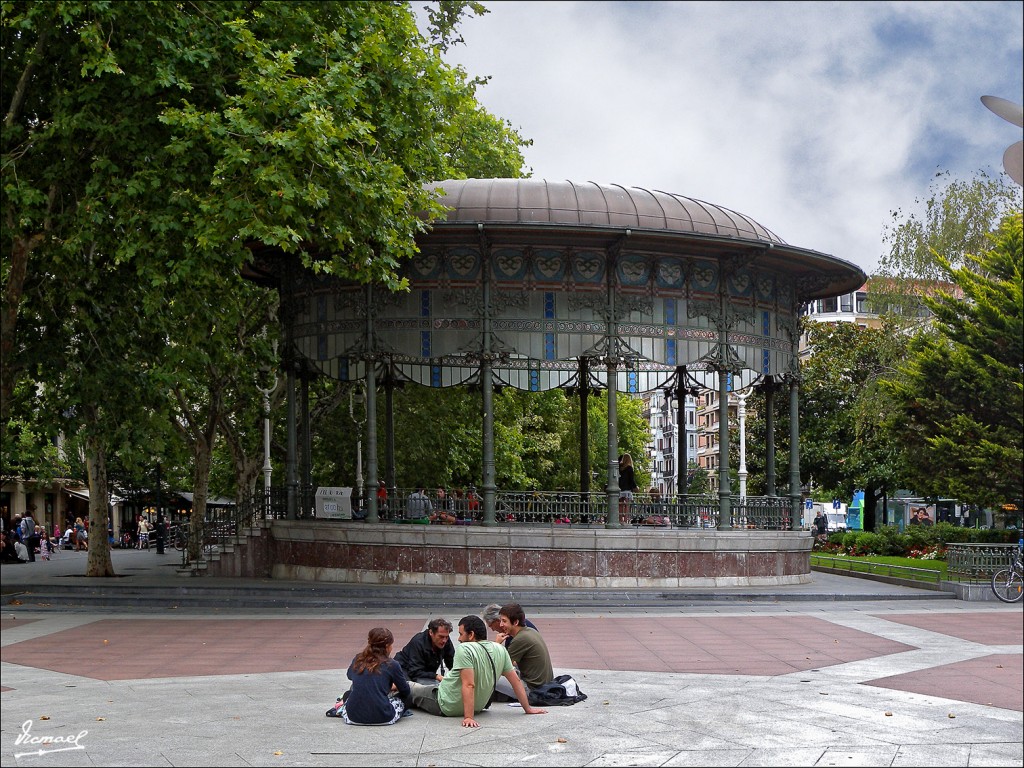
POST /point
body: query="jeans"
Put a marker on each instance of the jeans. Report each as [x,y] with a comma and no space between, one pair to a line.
[425,697]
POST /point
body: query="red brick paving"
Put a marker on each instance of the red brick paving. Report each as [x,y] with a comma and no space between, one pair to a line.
[11,623]
[991,680]
[768,645]
[139,649]
[988,628]
[128,649]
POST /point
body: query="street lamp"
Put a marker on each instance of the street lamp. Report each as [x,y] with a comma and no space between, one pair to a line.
[267,469]
[356,396]
[741,412]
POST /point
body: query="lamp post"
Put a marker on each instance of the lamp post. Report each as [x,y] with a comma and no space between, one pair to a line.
[741,412]
[356,397]
[267,469]
[160,524]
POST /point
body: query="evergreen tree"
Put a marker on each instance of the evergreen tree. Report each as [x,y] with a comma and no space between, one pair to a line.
[961,393]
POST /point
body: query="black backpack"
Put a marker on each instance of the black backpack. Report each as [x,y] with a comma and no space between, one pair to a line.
[560,692]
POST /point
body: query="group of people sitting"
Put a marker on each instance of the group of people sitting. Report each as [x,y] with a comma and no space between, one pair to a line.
[432,674]
[420,508]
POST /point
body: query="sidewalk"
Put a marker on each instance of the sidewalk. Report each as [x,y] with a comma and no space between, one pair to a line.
[877,677]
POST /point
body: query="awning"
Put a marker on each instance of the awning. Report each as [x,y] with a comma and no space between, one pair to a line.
[83,493]
[211,501]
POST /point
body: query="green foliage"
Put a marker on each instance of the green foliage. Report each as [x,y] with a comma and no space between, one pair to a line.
[843,443]
[961,389]
[757,444]
[439,440]
[954,222]
[700,481]
[915,541]
[145,153]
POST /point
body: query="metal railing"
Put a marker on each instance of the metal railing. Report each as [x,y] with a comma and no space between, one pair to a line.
[458,506]
[529,508]
[977,562]
[857,565]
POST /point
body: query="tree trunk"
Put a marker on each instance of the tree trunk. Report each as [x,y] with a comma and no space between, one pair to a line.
[13,290]
[98,561]
[870,513]
[200,493]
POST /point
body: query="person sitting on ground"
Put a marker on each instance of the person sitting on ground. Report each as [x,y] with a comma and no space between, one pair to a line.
[418,506]
[466,688]
[380,689]
[441,514]
[526,647]
[492,618]
[424,654]
[10,552]
[21,550]
[442,509]
[656,510]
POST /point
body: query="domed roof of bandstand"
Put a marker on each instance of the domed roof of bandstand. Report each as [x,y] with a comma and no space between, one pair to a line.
[537,208]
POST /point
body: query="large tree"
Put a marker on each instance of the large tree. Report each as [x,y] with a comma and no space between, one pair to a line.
[843,443]
[961,392]
[150,150]
[953,222]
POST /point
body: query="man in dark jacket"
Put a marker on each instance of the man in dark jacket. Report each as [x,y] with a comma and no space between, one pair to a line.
[423,655]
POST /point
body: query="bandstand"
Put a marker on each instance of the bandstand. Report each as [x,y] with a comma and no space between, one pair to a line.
[538,285]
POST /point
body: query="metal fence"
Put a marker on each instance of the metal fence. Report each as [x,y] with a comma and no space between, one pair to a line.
[977,562]
[458,506]
[465,507]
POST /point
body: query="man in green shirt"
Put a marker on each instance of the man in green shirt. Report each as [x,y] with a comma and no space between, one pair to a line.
[466,688]
[526,647]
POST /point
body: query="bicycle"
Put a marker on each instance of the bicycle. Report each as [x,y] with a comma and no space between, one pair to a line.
[1008,583]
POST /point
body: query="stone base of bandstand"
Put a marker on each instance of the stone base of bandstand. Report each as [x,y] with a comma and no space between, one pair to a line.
[537,557]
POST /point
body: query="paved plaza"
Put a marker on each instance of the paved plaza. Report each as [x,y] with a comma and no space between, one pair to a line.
[839,672]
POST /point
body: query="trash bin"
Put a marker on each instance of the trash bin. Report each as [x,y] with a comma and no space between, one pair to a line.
[334,503]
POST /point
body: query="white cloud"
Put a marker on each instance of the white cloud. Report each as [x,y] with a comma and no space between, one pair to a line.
[815,119]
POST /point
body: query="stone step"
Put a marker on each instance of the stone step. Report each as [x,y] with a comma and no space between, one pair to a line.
[200,594]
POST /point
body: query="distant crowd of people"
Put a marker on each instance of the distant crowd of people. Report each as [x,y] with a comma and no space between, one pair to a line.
[25,539]
[433,675]
[458,508]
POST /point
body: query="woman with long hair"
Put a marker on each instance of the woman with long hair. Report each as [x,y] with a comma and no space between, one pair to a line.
[627,486]
[379,685]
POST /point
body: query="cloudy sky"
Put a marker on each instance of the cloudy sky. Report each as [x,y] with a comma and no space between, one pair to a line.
[816,119]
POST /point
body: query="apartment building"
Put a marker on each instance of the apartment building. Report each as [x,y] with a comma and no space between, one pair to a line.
[661,413]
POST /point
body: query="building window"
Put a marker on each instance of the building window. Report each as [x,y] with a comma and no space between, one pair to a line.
[862,302]
[830,305]
[846,302]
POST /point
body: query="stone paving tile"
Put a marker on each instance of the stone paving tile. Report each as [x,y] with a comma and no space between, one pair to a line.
[993,680]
